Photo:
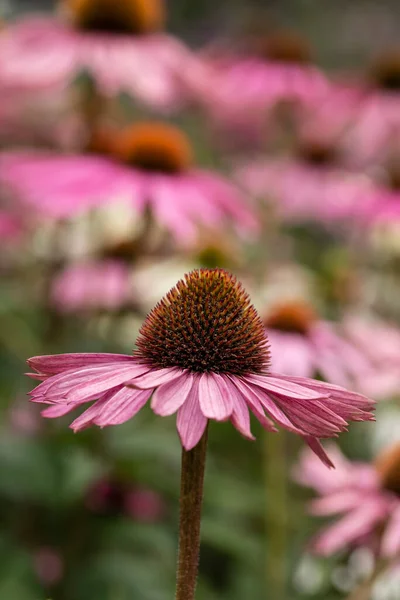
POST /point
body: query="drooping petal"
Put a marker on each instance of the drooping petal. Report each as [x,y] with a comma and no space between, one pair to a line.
[170,396]
[191,422]
[319,451]
[154,378]
[58,363]
[240,415]
[254,404]
[284,386]
[57,410]
[214,398]
[122,406]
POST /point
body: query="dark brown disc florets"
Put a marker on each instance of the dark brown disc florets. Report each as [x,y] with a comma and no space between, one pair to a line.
[385,72]
[206,323]
[387,465]
[116,16]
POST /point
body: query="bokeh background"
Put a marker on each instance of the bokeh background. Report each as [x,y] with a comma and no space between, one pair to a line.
[95,514]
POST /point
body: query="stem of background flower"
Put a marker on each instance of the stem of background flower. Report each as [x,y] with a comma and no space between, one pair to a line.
[363,591]
[276,514]
[191,498]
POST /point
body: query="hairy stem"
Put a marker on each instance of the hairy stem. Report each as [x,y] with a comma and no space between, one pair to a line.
[192,479]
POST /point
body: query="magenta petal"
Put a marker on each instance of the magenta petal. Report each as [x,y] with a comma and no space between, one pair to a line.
[58,363]
[98,385]
[57,410]
[391,536]
[240,415]
[214,398]
[317,448]
[87,418]
[350,528]
[170,396]
[122,406]
[191,422]
[254,404]
[284,387]
[155,377]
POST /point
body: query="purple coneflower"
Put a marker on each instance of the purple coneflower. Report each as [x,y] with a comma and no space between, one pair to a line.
[92,286]
[312,185]
[366,496]
[149,164]
[203,354]
[118,42]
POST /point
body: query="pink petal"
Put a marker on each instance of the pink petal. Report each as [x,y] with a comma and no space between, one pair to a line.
[356,524]
[214,398]
[337,502]
[170,396]
[99,384]
[274,410]
[317,448]
[122,406]
[155,377]
[87,418]
[254,404]
[191,422]
[57,410]
[53,364]
[240,415]
[284,387]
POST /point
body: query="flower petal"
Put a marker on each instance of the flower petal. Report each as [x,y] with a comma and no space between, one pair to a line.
[317,448]
[58,363]
[240,415]
[155,377]
[191,422]
[122,406]
[171,395]
[214,398]
[284,386]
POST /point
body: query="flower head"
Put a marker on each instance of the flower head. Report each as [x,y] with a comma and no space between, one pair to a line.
[202,353]
[365,495]
[118,42]
[148,165]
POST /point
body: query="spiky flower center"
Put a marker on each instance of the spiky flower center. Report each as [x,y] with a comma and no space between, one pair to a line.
[116,16]
[387,465]
[386,71]
[291,317]
[154,146]
[283,46]
[206,323]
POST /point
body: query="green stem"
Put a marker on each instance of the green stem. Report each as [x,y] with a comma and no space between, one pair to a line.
[276,514]
[192,479]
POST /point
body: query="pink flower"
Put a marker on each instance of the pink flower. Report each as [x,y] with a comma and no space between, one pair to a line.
[365,496]
[201,353]
[311,188]
[342,353]
[375,132]
[149,165]
[117,41]
[247,89]
[91,286]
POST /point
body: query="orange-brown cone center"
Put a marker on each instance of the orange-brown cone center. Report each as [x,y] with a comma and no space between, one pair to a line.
[153,147]
[387,465]
[385,72]
[116,16]
[285,46]
[293,317]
